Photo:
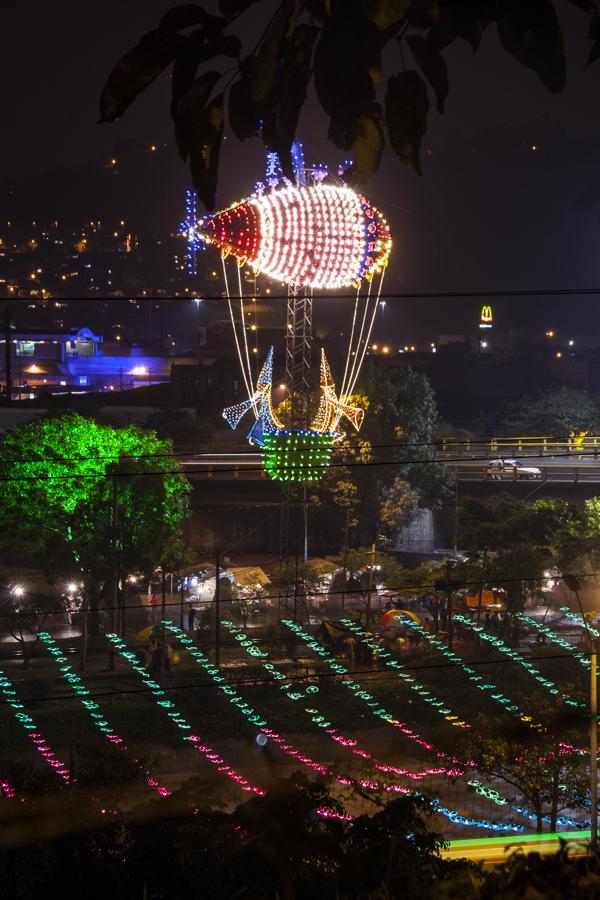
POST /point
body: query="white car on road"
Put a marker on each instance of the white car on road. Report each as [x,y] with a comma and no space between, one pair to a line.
[510,468]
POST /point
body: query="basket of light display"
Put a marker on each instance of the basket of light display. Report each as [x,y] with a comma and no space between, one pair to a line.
[296,455]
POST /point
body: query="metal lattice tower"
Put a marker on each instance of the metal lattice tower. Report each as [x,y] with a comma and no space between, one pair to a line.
[298,352]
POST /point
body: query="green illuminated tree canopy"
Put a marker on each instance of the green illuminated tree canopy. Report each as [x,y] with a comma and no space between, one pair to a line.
[76,492]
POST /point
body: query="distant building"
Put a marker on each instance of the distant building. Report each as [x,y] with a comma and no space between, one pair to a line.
[80,361]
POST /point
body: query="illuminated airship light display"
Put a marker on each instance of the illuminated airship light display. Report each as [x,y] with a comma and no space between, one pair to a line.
[314,234]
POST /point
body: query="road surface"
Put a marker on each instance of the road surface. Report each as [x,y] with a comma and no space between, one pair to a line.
[557,469]
[494,850]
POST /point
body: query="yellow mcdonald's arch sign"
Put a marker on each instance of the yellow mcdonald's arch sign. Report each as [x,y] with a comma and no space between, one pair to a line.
[486,315]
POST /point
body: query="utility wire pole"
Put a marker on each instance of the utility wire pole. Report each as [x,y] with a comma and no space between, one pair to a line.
[573,584]
[218,609]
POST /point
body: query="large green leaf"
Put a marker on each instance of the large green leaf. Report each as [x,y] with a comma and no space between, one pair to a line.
[199,132]
[283,104]
[433,66]
[386,13]
[594,37]
[196,49]
[266,60]
[367,148]
[180,17]
[244,110]
[465,19]
[235,7]
[406,108]
[347,59]
[141,65]
[135,71]
[531,33]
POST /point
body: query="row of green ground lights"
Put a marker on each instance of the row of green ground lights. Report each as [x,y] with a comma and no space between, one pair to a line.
[92,708]
[235,698]
[555,638]
[253,718]
[316,717]
[504,701]
[420,689]
[374,706]
[480,788]
[170,709]
[516,657]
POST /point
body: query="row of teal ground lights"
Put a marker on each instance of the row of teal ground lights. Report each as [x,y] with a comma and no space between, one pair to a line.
[255,719]
[236,699]
[26,722]
[555,638]
[176,717]
[499,800]
[502,699]
[93,709]
[421,690]
[436,642]
[318,719]
[532,670]
[370,701]
[579,620]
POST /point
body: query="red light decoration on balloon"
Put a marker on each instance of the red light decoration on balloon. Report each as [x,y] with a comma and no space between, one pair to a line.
[319,235]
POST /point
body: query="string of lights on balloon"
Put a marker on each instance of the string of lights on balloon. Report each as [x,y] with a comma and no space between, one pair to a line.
[516,657]
[318,719]
[179,720]
[35,736]
[313,235]
[555,638]
[93,709]
[420,689]
[369,700]
[482,684]
[257,720]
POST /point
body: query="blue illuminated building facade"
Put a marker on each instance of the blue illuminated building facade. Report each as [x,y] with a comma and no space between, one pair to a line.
[80,361]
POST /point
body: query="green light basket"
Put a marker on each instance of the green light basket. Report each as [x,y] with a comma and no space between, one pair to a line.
[296,455]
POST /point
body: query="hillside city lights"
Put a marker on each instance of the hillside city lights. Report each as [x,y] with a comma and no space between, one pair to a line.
[26,722]
[321,721]
[171,711]
[369,700]
[438,705]
[93,708]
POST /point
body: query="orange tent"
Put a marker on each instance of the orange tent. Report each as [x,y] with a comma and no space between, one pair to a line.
[387,617]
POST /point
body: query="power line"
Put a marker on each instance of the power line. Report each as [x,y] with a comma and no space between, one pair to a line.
[325,466]
[263,296]
[296,678]
[352,594]
[211,451]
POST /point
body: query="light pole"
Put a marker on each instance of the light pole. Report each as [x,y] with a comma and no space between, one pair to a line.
[573,584]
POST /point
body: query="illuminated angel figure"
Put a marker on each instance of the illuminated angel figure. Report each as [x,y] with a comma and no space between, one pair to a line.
[261,402]
[331,409]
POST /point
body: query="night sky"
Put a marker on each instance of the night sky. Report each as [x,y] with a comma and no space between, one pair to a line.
[489,212]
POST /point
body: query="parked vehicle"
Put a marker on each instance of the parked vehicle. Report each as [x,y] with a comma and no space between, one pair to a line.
[498,469]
